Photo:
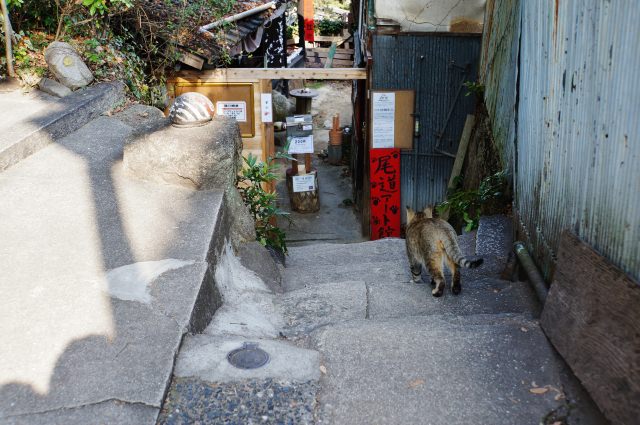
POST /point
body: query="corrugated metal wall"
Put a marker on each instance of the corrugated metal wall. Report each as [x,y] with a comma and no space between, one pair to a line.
[497,70]
[435,66]
[578,122]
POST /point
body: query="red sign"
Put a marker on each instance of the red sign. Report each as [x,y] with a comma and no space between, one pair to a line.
[308,29]
[385,193]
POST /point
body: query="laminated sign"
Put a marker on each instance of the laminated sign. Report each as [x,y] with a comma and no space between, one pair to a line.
[304,183]
[300,144]
[385,193]
[237,110]
[383,120]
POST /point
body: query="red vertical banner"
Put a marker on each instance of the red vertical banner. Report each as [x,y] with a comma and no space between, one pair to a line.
[385,193]
[308,29]
[307,15]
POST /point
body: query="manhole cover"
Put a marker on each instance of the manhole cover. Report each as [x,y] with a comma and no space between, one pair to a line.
[249,356]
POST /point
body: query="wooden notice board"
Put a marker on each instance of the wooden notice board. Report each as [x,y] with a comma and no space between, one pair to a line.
[400,105]
[231,99]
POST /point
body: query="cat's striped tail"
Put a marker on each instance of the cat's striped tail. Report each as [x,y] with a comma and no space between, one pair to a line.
[470,264]
[454,252]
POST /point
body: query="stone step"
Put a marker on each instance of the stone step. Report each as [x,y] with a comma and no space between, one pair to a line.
[383,250]
[482,296]
[31,122]
[347,254]
[495,236]
[298,277]
[307,309]
[455,371]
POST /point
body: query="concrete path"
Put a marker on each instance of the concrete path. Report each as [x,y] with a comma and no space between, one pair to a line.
[353,341]
[30,121]
[335,222]
[101,276]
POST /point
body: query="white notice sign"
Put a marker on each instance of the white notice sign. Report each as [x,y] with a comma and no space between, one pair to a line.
[383,131]
[233,109]
[267,110]
[301,144]
[304,183]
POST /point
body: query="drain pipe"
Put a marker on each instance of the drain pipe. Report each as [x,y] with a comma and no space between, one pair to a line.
[532,272]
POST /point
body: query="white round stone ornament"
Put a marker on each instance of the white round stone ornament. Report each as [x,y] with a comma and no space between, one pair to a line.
[191,109]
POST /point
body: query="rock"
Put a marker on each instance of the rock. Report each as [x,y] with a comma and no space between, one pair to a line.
[243,227]
[204,157]
[67,65]
[53,88]
[328,124]
[282,106]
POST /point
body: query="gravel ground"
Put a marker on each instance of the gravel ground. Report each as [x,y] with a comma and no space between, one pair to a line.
[192,401]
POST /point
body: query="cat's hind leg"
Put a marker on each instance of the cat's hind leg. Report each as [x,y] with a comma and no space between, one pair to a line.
[435,269]
[415,265]
[456,287]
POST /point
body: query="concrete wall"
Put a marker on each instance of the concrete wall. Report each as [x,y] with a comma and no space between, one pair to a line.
[440,15]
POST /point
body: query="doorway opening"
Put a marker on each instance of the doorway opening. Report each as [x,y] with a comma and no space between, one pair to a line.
[336,219]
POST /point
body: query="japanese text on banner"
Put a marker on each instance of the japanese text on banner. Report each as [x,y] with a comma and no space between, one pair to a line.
[385,193]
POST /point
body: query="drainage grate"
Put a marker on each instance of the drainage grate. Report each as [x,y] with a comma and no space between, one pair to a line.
[249,356]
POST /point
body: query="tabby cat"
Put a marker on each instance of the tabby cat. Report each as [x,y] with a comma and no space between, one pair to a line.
[430,241]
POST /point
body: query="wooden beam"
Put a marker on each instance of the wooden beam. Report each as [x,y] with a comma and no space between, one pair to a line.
[223,74]
[326,50]
[332,52]
[330,39]
[190,59]
[462,149]
[324,55]
[267,142]
[592,317]
[335,62]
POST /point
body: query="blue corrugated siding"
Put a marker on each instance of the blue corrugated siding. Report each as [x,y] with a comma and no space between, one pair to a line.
[578,126]
[434,66]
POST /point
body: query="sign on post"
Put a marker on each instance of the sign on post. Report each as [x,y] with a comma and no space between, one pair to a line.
[300,144]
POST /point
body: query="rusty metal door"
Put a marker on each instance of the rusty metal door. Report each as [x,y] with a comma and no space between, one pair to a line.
[436,66]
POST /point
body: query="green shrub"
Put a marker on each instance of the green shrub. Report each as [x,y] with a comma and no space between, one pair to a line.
[329,26]
[263,204]
[467,204]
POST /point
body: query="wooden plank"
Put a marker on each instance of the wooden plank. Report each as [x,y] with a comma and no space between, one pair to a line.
[332,52]
[592,317]
[326,50]
[251,74]
[190,59]
[335,62]
[339,40]
[462,149]
[267,145]
[324,55]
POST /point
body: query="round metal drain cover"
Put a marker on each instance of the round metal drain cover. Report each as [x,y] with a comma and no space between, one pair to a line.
[249,356]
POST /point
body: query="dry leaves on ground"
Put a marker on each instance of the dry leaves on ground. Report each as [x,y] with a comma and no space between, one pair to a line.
[416,383]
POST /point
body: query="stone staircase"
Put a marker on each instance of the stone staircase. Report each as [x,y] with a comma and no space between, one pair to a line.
[362,344]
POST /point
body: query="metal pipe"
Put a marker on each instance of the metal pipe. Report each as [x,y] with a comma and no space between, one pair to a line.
[7,39]
[238,16]
[532,271]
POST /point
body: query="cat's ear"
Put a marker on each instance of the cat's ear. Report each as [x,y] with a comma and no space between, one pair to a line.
[410,214]
[428,211]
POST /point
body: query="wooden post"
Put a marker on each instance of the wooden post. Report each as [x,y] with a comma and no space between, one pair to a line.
[267,142]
